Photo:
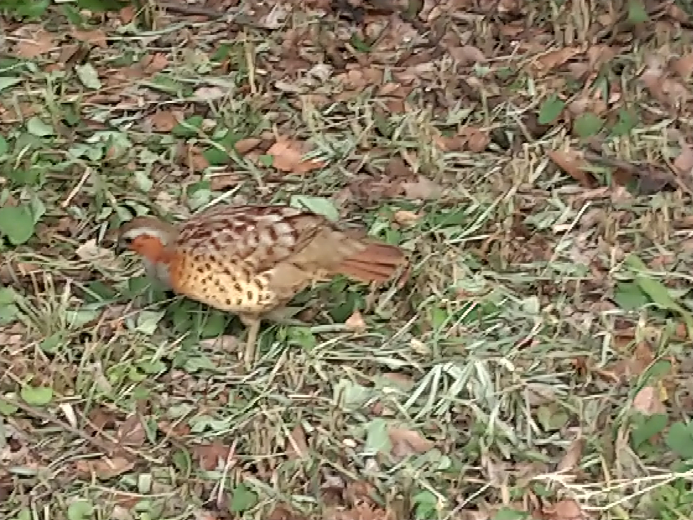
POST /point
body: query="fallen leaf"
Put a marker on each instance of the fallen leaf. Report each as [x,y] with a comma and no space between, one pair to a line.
[683,66]
[246,145]
[211,456]
[195,160]
[552,59]
[165,120]
[355,322]
[467,54]
[648,401]
[127,14]
[210,93]
[477,140]
[297,445]
[565,510]
[573,455]
[155,63]
[408,442]
[684,161]
[406,218]
[572,164]
[287,156]
[94,37]
[666,90]
[131,432]
[100,256]
[221,181]
[421,189]
[40,43]
[104,468]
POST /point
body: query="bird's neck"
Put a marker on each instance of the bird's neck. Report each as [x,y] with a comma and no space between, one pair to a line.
[158,270]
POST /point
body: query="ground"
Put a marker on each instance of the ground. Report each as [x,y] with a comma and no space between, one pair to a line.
[533,160]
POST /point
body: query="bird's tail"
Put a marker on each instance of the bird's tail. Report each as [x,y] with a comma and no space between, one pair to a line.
[376,263]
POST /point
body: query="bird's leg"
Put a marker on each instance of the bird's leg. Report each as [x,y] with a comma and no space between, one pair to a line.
[252,324]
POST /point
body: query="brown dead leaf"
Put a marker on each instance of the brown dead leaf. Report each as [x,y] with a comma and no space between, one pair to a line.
[127,14]
[467,54]
[552,59]
[665,89]
[104,468]
[406,218]
[421,189]
[684,162]
[355,322]
[297,444]
[683,66]
[221,181]
[40,43]
[287,156]
[131,432]
[573,455]
[195,160]
[177,430]
[630,368]
[154,63]
[408,442]
[96,255]
[165,120]
[246,145]
[477,140]
[565,510]
[211,456]
[93,37]
[648,401]
[574,165]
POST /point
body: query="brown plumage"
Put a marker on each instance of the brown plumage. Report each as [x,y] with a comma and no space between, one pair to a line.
[251,260]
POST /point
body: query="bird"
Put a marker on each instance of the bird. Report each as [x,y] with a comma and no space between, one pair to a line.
[251,260]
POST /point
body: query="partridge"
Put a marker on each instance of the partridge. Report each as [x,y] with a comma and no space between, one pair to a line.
[252,260]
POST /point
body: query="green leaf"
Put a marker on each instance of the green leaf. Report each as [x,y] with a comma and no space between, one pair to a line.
[319,205]
[7,82]
[651,426]
[506,513]
[4,146]
[80,510]
[266,160]
[627,121]
[33,9]
[7,296]
[377,438]
[426,505]
[7,408]
[350,395]
[147,321]
[17,224]
[101,6]
[629,297]
[189,127]
[52,343]
[36,395]
[550,109]
[242,499]
[637,12]
[38,128]
[88,75]
[679,439]
[587,124]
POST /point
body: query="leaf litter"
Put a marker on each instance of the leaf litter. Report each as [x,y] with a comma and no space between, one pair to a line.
[519,165]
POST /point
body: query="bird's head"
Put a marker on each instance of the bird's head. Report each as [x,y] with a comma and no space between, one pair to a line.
[146,236]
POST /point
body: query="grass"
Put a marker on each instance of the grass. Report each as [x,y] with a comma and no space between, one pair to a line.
[534,362]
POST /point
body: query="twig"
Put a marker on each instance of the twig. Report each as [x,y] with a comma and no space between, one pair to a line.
[75,190]
[40,414]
